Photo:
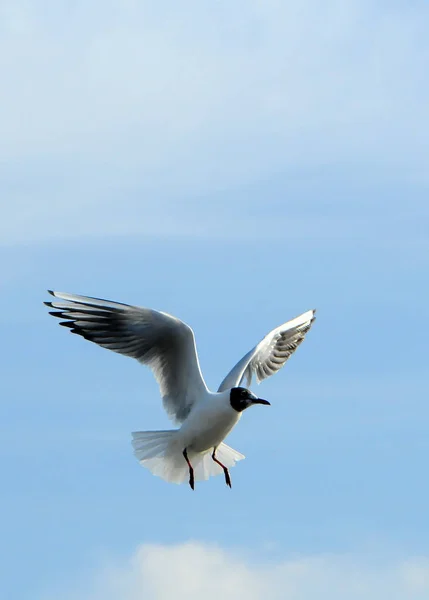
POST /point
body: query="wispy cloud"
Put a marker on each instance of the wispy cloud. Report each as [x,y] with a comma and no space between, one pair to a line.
[194,570]
[85,77]
[111,116]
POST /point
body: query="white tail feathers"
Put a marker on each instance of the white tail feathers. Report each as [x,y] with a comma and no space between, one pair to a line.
[157,451]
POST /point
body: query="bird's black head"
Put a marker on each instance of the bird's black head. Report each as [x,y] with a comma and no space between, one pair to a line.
[241,398]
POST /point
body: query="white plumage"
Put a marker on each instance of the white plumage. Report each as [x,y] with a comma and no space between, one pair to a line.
[167,346]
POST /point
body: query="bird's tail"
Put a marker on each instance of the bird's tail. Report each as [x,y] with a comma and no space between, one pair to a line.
[157,451]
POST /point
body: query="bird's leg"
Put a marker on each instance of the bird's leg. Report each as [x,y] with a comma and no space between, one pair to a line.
[191,470]
[225,470]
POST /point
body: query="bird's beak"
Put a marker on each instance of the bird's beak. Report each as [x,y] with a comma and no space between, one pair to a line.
[261,401]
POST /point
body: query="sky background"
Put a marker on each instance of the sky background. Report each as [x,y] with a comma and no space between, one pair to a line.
[234,164]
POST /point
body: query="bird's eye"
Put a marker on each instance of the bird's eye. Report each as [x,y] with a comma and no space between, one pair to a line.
[243,393]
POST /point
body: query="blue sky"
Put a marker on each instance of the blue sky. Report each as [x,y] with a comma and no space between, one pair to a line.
[234,166]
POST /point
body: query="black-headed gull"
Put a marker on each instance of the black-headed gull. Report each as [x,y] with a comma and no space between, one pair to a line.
[167,345]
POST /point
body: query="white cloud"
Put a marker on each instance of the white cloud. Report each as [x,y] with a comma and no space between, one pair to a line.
[154,77]
[113,110]
[194,570]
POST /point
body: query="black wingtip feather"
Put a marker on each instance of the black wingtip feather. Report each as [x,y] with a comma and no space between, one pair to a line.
[51,292]
[48,304]
[82,333]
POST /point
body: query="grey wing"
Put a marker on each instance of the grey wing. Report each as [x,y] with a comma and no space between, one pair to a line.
[271,353]
[156,339]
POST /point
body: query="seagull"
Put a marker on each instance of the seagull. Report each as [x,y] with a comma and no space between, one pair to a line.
[195,450]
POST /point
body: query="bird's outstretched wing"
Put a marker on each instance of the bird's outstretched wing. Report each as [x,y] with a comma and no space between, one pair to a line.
[271,353]
[156,339]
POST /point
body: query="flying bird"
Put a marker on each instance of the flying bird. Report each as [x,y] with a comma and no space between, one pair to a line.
[195,450]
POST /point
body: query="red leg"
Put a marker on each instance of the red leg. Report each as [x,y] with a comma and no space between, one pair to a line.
[191,470]
[225,470]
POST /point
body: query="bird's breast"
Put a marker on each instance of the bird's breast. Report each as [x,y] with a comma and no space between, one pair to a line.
[207,428]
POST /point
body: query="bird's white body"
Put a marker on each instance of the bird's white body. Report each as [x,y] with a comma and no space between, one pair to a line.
[167,345]
[208,423]
[211,419]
